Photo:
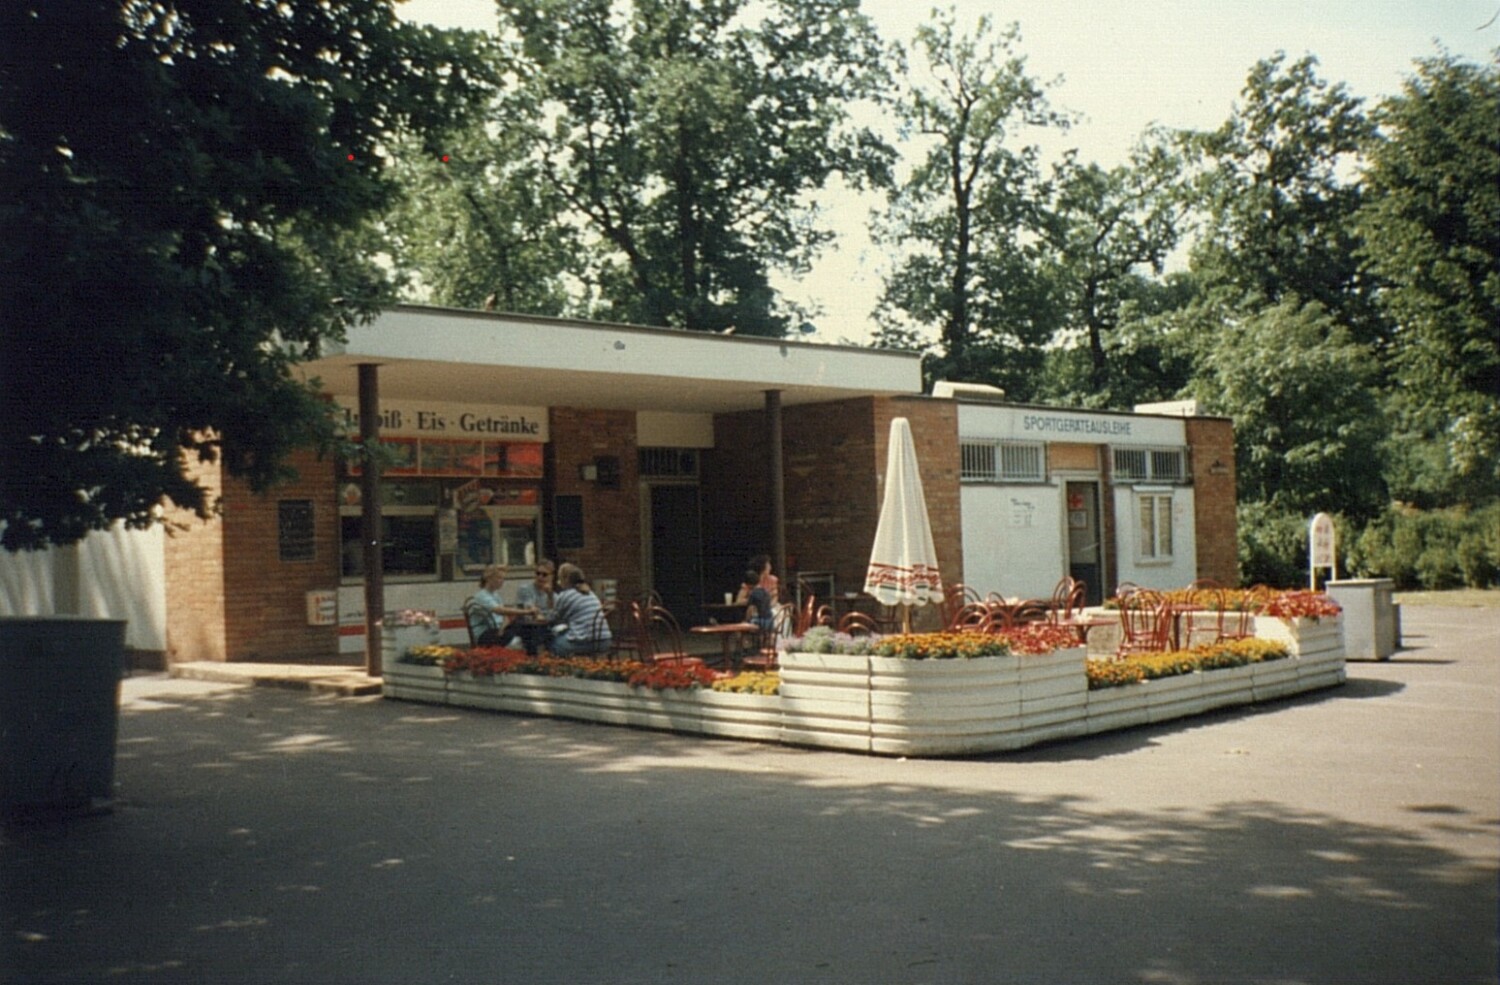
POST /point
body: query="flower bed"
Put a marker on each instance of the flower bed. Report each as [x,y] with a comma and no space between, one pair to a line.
[936,694]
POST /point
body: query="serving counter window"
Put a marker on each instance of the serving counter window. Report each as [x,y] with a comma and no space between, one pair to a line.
[427,521]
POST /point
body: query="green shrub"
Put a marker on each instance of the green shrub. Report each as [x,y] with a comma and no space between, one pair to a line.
[1476,560]
[1272,546]
[1433,549]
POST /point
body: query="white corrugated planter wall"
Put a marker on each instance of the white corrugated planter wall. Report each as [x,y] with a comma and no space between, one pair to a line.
[899,707]
[414,682]
[1317,649]
[470,691]
[825,700]
[944,707]
[1054,695]
[740,716]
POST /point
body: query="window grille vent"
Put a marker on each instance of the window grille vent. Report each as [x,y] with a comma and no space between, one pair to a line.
[1130,463]
[990,461]
[977,460]
[669,463]
[1150,465]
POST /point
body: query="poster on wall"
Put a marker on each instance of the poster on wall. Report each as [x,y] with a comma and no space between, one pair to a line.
[452,457]
[513,460]
[476,541]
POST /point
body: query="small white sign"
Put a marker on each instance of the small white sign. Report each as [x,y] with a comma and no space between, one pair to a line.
[323,608]
[1321,548]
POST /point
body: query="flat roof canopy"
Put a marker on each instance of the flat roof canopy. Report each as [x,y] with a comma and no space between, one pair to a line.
[481,357]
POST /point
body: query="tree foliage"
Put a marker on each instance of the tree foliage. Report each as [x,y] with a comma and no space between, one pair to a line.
[181,178]
[1279,201]
[687,136]
[1306,422]
[478,225]
[1108,229]
[1431,233]
[970,212]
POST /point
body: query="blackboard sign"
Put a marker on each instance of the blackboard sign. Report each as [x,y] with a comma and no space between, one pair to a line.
[567,517]
[294,530]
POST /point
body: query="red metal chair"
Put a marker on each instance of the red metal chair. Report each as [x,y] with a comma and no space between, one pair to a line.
[973,617]
[468,608]
[663,636]
[807,615]
[955,598]
[858,624]
[1145,623]
[1067,598]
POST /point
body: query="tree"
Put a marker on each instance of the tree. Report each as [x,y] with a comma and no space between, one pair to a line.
[687,136]
[1307,425]
[478,225]
[1280,206]
[1105,228]
[972,207]
[181,181]
[1431,230]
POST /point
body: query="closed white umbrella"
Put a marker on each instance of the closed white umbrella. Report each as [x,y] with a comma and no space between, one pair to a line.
[903,564]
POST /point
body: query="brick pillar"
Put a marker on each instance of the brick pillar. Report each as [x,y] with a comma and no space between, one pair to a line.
[1213,472]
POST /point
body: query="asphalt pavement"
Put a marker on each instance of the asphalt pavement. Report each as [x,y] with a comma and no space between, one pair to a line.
[263,835]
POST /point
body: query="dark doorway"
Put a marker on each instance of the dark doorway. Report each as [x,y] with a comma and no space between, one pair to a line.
[676,550]
[1085,562]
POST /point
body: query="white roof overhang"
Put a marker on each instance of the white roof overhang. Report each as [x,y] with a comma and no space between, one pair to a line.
[427,353]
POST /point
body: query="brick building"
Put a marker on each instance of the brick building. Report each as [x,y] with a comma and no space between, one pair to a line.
[663,459]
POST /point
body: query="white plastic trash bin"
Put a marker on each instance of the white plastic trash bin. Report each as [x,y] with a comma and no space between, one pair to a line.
[1372,620]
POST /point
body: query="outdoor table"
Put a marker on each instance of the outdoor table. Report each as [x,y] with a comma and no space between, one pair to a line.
[729,632]
[535,634]
[1082,624]
[1176,611]
[726,611]
[860,602]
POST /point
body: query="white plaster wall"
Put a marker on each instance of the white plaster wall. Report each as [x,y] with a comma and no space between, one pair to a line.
[26,583]
[1183,567]
[1013,539]
[124,576]
[112,574]
[664,429]
[444,598]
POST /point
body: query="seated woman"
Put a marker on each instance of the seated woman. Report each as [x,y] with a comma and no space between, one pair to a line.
[487,613]
[760,610]
[536,599]
[577,629]
[759,592]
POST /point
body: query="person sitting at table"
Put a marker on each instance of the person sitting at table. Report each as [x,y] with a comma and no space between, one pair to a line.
[536,598]
[761,565]
[577,629]
[758,600]
[487,612]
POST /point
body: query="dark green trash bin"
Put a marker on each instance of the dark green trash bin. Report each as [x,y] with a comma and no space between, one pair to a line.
[59,712]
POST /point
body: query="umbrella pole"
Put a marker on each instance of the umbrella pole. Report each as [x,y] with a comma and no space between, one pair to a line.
[905,618]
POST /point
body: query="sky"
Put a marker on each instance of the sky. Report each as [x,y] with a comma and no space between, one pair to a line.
[1123,66]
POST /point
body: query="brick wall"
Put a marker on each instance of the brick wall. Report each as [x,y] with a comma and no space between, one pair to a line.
[832,500]
[229,595]
[834,457]
[611,517]
[1212,442]
[265,598]
[193,553]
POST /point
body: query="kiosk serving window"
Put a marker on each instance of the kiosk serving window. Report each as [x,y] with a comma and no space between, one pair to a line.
[475,522]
